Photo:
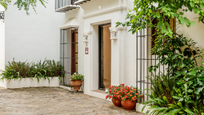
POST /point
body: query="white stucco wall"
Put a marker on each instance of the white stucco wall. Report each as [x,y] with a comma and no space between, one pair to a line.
[195,32]
[122,50]
[2,44]
[33,37]
[77,14]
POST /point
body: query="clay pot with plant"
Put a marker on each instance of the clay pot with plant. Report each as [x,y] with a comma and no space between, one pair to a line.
[129,95]
[114,94]
[76,80]
[124,96]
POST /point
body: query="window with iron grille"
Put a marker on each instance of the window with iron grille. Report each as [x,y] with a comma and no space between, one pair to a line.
[69,52]
[145,41]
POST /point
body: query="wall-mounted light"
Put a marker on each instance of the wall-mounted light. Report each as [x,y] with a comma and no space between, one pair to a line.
[1,15]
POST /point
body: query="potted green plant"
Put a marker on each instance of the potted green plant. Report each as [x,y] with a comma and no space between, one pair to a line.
[113,92]
[76,80]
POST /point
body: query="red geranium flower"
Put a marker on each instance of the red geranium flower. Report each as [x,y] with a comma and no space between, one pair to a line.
[106,96]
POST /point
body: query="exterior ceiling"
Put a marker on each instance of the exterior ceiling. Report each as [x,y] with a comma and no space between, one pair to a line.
[66,8]
[72,22]
[80,2]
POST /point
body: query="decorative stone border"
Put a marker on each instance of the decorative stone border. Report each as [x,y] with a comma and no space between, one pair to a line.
[28,82]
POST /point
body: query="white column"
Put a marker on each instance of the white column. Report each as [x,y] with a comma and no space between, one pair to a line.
[87,62]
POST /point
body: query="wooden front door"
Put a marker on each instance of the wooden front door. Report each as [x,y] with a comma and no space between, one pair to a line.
[104,57]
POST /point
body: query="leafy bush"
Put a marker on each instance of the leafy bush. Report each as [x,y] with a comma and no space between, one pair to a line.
[162,85]
[45,69]
[186,79]
[175,51]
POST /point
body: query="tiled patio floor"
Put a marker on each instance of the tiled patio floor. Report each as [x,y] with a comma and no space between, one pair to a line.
[54,101]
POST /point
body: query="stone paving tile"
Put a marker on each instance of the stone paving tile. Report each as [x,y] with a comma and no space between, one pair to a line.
[54,101]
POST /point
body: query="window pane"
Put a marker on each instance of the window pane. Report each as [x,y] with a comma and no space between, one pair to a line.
[76,37]
[61,50]
[76,67]
[76,46]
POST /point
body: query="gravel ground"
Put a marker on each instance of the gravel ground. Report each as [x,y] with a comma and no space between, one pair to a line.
[55,101]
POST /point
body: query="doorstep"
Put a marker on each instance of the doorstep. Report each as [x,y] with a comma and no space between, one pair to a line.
[102,94]
[66,88]
[99,93]
[140,106]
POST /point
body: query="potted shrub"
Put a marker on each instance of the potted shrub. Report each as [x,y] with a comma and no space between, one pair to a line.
[114,94]
[129,95]
[76,80]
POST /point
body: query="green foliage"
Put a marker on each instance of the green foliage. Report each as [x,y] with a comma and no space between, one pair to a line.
[25,4]
[186,78]
[162,86]
[145,11]
[76,76]
[186,95]
[161,94]
[45,69]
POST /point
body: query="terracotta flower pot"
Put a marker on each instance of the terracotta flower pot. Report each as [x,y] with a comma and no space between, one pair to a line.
[76,84]
[128,104]
[117,102]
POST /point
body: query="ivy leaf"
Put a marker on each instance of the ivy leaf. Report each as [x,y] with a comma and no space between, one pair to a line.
[181,13]
[193,72]
[199,90]
[190,91]
[196,11]
[192,23]
[192,4]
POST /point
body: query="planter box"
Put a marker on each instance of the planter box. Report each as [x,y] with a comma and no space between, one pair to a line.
[28,82]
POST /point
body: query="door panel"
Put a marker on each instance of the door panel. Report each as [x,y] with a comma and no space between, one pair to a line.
[104,57]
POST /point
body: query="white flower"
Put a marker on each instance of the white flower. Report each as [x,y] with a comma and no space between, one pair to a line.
[106,90]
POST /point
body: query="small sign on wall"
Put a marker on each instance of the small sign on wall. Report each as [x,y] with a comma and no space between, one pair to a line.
[86,50]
